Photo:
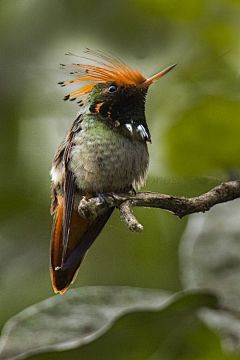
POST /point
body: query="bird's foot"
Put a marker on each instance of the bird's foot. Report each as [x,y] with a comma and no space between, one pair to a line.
[133,191]
[103,200]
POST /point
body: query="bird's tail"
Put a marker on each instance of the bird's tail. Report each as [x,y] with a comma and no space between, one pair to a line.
[82,233]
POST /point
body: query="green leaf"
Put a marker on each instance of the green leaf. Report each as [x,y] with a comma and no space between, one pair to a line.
[186,10]
[141,316]
[220,36]
[206,137]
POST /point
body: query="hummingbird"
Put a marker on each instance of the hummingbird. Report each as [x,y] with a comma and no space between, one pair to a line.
[105,151]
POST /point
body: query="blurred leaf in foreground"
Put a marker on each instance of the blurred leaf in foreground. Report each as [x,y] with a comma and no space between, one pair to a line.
[144,321]
[210,259]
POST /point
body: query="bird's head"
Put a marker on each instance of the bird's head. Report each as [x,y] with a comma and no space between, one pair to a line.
[116,91]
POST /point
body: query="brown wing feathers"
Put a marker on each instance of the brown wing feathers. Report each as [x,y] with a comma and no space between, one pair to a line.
[72,235]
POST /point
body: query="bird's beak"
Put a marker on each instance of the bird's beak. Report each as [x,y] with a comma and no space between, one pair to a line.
[149,81]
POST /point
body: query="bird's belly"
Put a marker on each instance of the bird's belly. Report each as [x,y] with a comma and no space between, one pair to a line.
[108,163]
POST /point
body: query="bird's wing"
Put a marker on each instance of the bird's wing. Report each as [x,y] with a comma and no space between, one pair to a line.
[72,235]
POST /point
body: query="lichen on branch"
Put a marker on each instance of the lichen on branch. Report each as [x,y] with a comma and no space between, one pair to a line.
[178,205]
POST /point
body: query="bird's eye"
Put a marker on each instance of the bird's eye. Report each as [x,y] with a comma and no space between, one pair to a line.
[112,88]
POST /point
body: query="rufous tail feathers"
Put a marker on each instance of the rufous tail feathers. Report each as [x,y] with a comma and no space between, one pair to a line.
[82,233]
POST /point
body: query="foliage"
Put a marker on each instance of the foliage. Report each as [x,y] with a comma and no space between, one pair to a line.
[140,320]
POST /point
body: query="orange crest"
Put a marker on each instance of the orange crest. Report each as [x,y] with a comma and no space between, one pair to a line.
[117,71]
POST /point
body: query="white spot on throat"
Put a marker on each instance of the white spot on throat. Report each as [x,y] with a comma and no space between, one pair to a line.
[56,175]
[139,129]
[142,131]
[129,127]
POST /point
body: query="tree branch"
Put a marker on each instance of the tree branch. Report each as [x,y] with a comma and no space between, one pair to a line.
[178,205]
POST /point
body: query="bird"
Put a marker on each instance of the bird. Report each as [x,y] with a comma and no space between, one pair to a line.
[105,151]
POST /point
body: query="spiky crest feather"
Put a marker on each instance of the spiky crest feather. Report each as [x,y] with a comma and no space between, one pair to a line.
[118,72]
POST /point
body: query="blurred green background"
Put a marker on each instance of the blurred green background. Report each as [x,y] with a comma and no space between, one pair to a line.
[193,116]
